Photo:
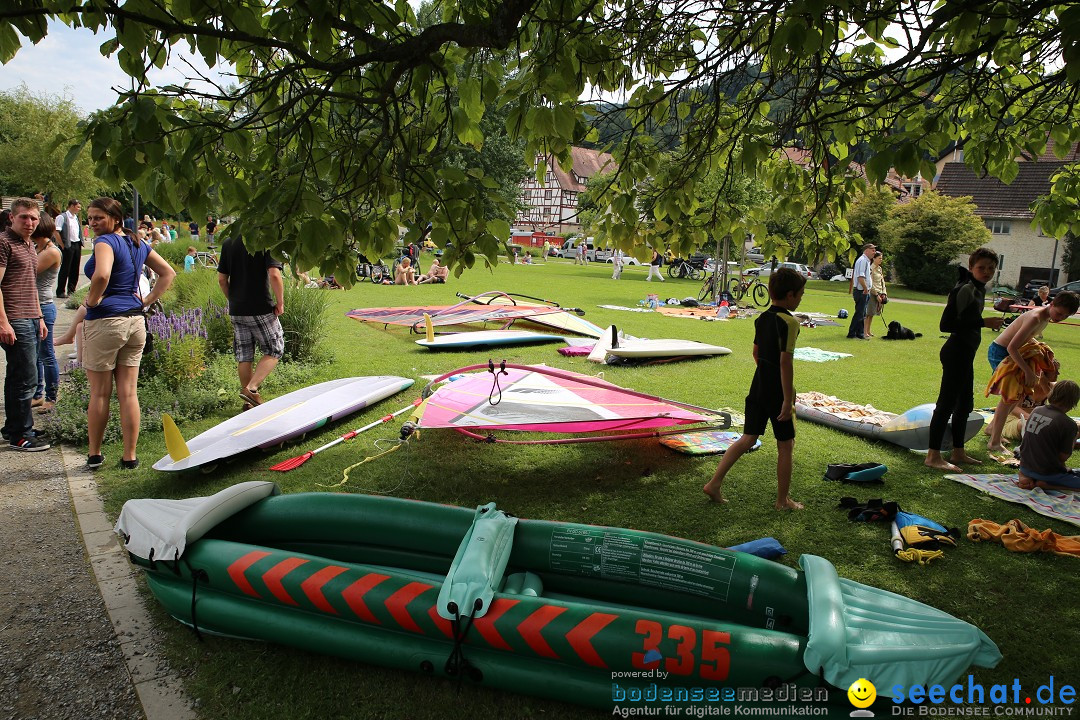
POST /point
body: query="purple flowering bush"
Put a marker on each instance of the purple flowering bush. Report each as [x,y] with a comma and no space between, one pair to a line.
[179,347]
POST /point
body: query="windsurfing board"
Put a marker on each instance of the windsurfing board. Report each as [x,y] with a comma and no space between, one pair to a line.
[613,343]
[487,338]
[285,417]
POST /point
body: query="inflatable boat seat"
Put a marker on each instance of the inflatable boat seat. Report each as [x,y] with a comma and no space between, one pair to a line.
[858,631]
[478,567]
[161,529]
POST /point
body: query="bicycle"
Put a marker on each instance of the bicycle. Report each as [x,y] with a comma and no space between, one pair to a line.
[679,268]
[206,259]
[740,287]
[375,272]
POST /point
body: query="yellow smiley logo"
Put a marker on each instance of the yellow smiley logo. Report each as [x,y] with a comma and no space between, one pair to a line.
[862,693]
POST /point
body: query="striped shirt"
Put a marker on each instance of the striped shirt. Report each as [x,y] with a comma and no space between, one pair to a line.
[19,285]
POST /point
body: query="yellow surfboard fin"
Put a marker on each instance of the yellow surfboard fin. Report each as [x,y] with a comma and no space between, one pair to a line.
[174,441]
[428,328]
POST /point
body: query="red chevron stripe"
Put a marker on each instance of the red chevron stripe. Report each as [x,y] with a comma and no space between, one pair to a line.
[313,586]
[237,569]
[354,596]
[581,636]
[441,622]
[397,602]
[276,574]
[530,628]
[486,625]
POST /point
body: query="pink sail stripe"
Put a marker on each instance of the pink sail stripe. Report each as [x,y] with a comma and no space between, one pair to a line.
[533,401]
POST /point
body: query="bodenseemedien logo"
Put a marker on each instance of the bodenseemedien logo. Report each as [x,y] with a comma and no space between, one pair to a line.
[862,694]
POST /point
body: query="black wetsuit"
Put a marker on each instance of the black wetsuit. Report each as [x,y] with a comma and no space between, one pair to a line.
[963,320]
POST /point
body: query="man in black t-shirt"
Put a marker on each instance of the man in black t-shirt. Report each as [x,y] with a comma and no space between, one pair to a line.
[256,293]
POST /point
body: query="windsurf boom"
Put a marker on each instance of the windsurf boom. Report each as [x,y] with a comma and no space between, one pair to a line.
[527,398]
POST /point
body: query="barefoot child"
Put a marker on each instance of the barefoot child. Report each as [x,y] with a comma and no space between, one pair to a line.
[1010,344]
[963,320]
[1049,438]
[772,392]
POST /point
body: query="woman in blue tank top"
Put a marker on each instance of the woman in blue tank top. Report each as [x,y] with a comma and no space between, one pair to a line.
[114,333]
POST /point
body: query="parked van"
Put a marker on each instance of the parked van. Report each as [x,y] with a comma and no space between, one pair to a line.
[571,248]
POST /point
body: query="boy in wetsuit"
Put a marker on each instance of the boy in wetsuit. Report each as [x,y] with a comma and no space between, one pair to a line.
[772,392]
[963,320]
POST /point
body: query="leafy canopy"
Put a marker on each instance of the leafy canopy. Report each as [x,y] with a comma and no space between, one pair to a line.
[924,236]
[334,132]
[35,130]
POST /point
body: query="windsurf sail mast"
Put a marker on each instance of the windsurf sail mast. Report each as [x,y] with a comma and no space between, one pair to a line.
[541,399]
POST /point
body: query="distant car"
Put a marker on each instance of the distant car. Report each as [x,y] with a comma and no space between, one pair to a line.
[1073,286]
[1033,288]
[766,269]
[755,255]
[626,259]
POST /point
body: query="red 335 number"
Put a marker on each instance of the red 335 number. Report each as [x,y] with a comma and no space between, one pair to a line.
[713,660]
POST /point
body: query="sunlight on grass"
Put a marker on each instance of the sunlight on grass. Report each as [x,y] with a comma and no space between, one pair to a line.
[635,484]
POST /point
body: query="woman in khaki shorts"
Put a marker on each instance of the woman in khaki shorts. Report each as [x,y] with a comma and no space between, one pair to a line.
[114,332]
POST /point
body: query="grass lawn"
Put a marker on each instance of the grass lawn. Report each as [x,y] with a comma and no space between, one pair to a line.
[1020,600]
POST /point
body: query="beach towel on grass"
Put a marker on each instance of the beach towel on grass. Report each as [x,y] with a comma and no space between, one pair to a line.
[812,354]
[1018,537]
[1064,506]
[703,442]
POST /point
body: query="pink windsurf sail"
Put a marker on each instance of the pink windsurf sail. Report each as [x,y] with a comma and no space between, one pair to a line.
[542,399]
[490,307]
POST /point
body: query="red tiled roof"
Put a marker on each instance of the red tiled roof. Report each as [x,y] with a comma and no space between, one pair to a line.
[586,164]
[1049,156]
[993,198]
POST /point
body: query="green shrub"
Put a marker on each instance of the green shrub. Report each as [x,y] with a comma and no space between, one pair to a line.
[192,290]
[174,252]
[302,322]
[219,329]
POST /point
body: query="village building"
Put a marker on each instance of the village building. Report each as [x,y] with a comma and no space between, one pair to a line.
[1027,254]
[552,204]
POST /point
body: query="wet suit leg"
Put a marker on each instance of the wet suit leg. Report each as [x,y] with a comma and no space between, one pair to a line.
[955,397]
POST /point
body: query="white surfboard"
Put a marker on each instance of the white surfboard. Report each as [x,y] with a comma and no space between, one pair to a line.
[487,338]
[285,417]
[625,347]
[645,348]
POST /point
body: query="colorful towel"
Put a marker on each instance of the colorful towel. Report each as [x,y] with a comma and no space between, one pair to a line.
[1064,506]
[708,442]
[1018,537]
[1008,380]
[812,354]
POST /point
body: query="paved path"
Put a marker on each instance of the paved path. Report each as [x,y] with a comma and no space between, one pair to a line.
[75,640]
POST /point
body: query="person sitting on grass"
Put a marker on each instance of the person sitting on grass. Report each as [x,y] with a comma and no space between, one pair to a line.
[437,273]
[405,275]
[772,391]
[1010,344]
[1042,297]
[1049,440]
[189,259]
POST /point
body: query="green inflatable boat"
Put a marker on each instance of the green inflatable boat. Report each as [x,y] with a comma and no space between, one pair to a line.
[560,610]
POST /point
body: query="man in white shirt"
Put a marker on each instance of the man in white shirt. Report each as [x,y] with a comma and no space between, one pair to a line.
[69,238]
[860,290]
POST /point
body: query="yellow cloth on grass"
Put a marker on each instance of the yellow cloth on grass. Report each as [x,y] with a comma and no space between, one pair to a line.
[1018,537]
[1008,380]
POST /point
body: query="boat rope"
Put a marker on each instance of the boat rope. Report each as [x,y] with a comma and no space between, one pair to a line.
[196,576]
[495,381]
[457,664]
